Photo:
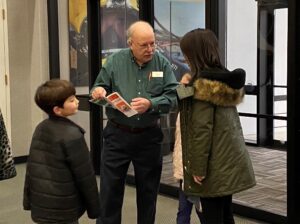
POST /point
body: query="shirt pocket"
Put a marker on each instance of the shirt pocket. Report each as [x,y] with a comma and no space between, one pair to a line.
[155,86]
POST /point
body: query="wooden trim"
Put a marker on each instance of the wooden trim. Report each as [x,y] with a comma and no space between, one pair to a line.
[53,35]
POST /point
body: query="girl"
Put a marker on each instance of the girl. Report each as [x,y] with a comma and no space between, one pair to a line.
[216,162]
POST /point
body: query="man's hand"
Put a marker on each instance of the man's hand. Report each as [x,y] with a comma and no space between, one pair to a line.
[99,93]
[198,179]
[141,105]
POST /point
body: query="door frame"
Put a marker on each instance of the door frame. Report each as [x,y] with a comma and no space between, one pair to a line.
[4,69]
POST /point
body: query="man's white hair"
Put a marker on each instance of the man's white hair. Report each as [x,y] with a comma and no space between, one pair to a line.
[132,29]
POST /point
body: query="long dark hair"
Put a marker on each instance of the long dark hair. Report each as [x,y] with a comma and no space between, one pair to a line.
[201,49]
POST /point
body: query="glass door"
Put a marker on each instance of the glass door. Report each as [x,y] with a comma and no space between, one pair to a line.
[172,19]
[256,41]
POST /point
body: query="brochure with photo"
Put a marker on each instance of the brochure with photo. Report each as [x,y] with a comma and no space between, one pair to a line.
[117,102]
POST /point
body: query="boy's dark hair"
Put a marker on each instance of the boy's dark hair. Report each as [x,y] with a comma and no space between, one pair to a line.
[53,93]
[200,47]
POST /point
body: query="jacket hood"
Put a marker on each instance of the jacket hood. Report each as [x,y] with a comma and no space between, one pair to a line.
[220,87]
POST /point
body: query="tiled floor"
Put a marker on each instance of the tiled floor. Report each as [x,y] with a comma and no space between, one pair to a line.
[11,210]
[270,193]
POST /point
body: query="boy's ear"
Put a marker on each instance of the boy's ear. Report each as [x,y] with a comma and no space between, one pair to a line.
[57,110]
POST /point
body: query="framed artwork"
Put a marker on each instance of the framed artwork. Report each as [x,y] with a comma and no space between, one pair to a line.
[172,19]
[116,16]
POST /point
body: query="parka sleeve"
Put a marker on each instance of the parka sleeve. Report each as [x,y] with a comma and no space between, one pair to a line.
[78,158]
[202,122]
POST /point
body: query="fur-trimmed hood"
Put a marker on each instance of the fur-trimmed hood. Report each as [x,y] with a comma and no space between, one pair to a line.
[220,87]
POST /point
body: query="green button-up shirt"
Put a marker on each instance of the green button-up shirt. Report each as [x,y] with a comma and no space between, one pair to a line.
[154,81]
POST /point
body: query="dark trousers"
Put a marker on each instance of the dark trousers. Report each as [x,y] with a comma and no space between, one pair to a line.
[185,209]
[217,210]
[119,149]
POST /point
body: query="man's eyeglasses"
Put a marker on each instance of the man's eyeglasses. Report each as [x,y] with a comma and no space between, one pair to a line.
[146,45]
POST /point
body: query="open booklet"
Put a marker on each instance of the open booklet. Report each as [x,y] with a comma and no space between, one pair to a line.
[117,102]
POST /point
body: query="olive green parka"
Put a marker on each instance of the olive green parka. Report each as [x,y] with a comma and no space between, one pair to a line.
[212,139]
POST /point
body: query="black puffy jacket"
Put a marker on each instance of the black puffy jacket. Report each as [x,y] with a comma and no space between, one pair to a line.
[60,183]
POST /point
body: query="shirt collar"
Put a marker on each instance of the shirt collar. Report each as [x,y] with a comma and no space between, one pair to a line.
[133,60]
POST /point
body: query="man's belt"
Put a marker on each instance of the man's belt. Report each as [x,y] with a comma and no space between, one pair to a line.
[129,128]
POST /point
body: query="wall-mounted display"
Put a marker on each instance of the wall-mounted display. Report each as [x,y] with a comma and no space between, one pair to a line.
[171,22]
[115,15]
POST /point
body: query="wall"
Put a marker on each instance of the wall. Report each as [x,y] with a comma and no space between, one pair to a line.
[82,117]
[4,71]
[63,26]
[28,67]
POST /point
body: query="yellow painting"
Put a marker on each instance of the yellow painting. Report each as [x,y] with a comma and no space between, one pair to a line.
[115,18]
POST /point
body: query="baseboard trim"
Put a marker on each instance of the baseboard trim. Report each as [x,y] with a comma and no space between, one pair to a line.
[20,159]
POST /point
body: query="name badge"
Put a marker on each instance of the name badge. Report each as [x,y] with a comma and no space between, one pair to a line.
[157,74]
[184,91]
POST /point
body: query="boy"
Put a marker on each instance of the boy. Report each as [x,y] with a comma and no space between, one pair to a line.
[60,184]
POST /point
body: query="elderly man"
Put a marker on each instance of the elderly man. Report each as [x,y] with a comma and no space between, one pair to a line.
[144,78]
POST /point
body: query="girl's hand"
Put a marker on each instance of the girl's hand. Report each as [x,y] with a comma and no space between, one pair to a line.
[198,179]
